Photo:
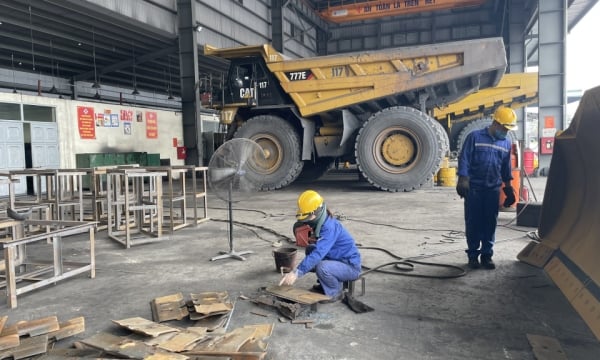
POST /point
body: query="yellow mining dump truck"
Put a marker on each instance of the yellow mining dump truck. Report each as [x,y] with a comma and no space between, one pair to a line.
[367,108]
[474,111]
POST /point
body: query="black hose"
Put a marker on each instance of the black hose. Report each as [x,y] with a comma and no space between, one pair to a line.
[404,267]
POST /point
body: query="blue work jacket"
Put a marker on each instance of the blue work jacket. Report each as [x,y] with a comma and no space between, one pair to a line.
[485,160]
[334,243]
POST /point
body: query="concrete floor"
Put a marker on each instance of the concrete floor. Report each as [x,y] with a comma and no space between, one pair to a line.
[482,315]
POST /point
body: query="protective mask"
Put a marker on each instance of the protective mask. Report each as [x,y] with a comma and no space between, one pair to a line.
[500,135]
[318,221]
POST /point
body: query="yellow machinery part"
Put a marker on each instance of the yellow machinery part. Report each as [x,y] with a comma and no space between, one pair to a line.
[514,90]
[330,131]
[342,80]
[362,10]
[398,149]
[569,225]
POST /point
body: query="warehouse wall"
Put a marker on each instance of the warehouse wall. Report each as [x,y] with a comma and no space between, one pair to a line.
[108,137]
[235,23]
[158,14]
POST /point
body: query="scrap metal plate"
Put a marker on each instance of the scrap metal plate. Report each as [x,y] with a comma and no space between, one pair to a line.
[301,296]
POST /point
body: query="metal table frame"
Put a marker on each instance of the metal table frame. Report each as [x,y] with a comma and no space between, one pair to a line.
[16,248]
[131,208]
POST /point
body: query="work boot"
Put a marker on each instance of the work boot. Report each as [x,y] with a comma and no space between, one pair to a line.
[487,263]
[335,298]
[474,263]
[317,288]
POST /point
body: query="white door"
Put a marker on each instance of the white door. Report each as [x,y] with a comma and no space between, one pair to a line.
[12,152]
[44,145]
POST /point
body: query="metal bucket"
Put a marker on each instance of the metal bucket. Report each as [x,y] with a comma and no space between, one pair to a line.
[284,259]
[446,177]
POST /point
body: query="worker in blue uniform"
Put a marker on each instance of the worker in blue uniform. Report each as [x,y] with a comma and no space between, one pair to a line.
[333,256]
[484,163]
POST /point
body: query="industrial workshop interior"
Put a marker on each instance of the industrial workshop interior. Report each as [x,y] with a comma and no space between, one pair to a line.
[298,179]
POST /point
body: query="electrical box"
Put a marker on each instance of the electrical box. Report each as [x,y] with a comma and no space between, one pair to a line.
[546,145]
[181,154]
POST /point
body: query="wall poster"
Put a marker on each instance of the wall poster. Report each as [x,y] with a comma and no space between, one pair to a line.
[151,125]
[85,122]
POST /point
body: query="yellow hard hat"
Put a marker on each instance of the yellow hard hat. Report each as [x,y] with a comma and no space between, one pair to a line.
[506,117]
[308,202]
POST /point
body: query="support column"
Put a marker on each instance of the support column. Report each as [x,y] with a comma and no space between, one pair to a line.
[321,42]
[552,68]
[516,54]
[190,93]
[277,9]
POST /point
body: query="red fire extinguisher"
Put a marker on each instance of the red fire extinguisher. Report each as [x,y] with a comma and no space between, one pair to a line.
[524,193]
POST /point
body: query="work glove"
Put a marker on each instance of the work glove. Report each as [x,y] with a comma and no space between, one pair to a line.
[510,196]
[462,186]
[289,278]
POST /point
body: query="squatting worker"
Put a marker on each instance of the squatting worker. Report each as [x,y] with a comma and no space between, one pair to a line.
[484,163]
[334,256]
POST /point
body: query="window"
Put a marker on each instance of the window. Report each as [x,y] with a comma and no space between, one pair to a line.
[10,111]
[38,113]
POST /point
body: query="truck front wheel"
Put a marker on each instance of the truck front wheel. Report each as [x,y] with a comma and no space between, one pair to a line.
[399,149]
[281,145]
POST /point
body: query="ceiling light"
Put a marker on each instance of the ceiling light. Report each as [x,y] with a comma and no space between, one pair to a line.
[95,85]
[135,91]
[198,28]
[53,90]
[97,95]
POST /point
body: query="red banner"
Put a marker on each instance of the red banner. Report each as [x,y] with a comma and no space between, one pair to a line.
[151,125]
[85,121]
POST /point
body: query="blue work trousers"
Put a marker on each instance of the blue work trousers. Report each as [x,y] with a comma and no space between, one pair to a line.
[331,274]
[481,215]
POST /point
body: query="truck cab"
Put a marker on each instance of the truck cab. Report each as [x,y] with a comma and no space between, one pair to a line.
[249,82]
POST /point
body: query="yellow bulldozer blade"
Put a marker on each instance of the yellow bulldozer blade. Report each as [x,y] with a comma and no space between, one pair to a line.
[569,228]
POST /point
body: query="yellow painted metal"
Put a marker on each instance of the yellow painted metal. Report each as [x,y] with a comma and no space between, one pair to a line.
[273,153]
[569,225]
[514,90]
[398,149]
[357,11]
[446,176]
[342,80]
[228,113]
[330,131]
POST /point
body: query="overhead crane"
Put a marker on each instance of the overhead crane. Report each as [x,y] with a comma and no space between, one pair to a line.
[362,10]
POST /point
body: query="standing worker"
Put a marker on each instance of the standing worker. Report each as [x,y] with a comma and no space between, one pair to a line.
[333,256]
[484,163]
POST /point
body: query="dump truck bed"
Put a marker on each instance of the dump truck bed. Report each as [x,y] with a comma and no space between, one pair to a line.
[514,90]
[420,76]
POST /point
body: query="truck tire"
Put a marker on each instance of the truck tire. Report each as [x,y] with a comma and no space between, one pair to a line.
[281,144]
[445,139]
[477,125]
[399,149]
[313,170]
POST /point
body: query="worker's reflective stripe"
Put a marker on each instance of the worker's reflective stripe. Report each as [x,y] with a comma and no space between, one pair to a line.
[491,146]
